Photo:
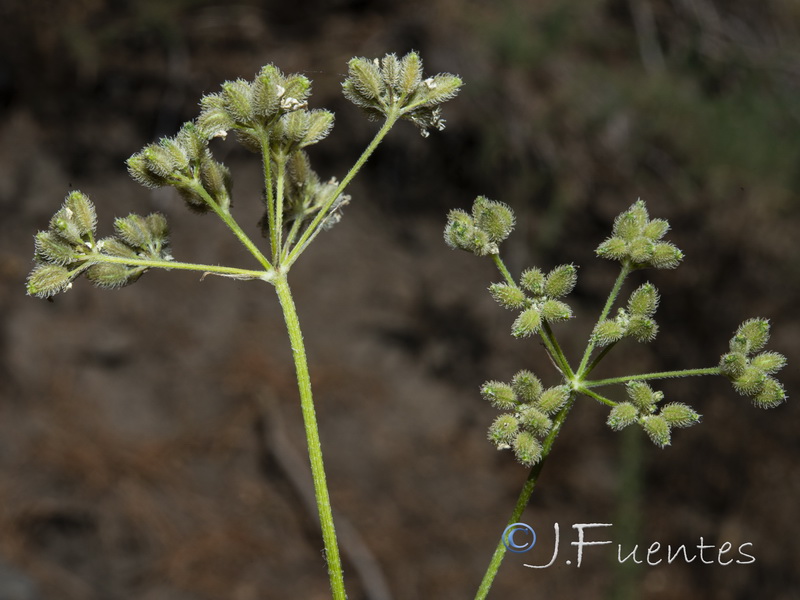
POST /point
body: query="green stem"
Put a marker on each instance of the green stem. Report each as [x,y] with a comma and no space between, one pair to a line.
[598,397]
[227,218]
[553,347]
[312,436]
[290,237]
[646,376]
[501,266]
[612,296]
[278,227]
[597,359]
[629,512]
[266,161]
[171,264]
[524,499]
[314,228]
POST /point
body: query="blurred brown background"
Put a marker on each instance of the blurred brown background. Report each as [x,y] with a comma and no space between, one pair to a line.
[147,435]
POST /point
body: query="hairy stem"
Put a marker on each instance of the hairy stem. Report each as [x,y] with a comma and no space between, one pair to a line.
[612,297]
[314,227]
[269,196]
[524,499]
[646,376]
[598,397]
[596,361]
[501,266]
[227,218]
[171,264]
[279,191]
[312,437]
[629,511]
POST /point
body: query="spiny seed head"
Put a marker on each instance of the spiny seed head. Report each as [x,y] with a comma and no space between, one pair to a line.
[216,179]
[527,323]
[238,100]
[642,329]
[555,310]
[63,224]
[494,218]
[607,332]
[265,89]
[533,280]
[527,386]
[640,250]
[534,420]
[133,230]
[751,336]
[552,399]
[193,141]
[157,225]
[665,256]
[112,275]
[677,414]
[622,415]
[499,394]
[508,296]
[769,362]
[644,300]
[631,223]
[214,121]
[658,429]
[116,247]
[364,83]
[48,280]
[655,229]
[320,123]
[527,448]
[635,238]
[503,431]
[613,248]
[560,281]
[642,396]
[140,170]
[52,248]
[771,395]
[733,364]
[82,212]
[750,382]
[395,85]
[459,231]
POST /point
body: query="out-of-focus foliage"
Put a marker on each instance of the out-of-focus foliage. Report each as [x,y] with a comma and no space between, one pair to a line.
[693,102]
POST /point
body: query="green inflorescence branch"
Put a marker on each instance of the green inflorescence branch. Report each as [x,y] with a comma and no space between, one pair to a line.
[525,426]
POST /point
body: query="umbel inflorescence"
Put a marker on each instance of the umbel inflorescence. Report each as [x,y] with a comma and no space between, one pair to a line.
[268,115]
[532,414]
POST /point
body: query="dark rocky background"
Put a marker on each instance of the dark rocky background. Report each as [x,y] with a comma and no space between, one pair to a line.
[148,436]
